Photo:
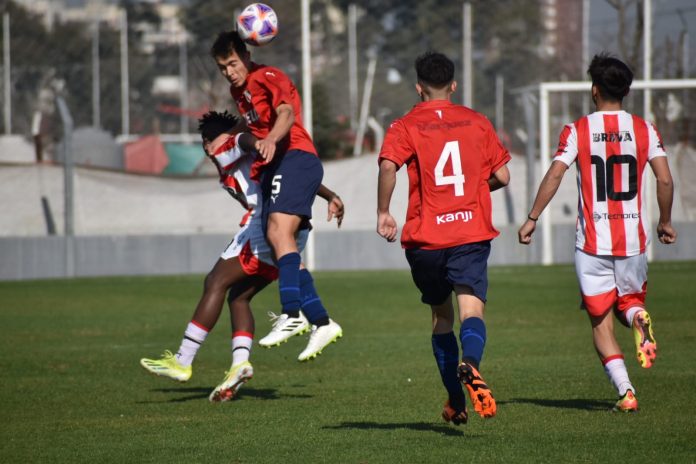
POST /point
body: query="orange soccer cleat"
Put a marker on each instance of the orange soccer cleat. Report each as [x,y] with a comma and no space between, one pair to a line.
[480,394]
[449,414]
[627,403]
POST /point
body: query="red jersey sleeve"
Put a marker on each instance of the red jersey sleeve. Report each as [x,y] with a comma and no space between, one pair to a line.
[397,146]
[498,154]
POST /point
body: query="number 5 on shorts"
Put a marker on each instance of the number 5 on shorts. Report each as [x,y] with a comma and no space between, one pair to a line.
[275,184]
[451,151]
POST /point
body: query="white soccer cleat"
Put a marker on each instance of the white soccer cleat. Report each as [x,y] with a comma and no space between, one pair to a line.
[319,339]
[234,378]
[283,328]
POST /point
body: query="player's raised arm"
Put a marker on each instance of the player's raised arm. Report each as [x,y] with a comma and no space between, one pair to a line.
[665,193]
[547,190]
[336,207]
[386,224]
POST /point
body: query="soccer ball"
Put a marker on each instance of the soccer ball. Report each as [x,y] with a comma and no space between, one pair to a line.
[258,24]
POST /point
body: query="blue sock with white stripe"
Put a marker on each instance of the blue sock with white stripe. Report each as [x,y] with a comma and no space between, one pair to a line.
[311,303]
[446,353]
[472,334]
[289,283]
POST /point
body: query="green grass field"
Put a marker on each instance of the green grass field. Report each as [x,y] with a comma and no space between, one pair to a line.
[73,391]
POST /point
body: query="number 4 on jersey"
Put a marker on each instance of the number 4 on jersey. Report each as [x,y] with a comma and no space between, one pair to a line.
[451,151]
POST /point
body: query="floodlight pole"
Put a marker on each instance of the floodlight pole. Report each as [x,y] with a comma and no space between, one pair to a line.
[96,102]
[353,65]
[467,95]
[68,197]
[307,118]
[125,109]
[647,105]
[6,72]
[183,78]
[585,48]
[306,69]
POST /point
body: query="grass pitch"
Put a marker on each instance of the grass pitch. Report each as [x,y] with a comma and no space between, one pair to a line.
[72,389]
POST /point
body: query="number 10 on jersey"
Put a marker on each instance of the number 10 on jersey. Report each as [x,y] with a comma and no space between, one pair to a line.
[450,151]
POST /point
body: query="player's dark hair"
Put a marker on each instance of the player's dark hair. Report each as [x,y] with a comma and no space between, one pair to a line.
[611,76]
[214,123]
[434,70]
[226,43]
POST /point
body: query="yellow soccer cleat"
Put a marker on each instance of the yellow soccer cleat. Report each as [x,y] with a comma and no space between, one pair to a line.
[167,366]
[234,378]
[646,346]
[627,403]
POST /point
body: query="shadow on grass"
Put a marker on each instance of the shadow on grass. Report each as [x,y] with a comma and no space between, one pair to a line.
[574,403]
[198,393]
[418,426]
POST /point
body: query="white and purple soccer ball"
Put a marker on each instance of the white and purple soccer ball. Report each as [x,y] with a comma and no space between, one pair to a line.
[257,24]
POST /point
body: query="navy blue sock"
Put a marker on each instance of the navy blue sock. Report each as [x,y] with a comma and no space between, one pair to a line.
[311,303]
[289,283]
[446,353]
[472,334]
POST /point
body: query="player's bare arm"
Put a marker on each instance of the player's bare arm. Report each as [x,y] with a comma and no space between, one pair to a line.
[336,206]
[284,121]
[665,193]
[547,190]
[499,179]
[386,225]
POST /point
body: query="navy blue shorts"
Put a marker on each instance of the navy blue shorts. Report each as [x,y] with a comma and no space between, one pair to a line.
[435,272]
[290,185]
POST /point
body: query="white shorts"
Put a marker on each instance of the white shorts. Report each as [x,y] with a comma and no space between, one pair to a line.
[254,252]
[608,281]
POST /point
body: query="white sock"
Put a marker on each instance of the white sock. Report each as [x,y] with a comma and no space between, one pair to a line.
[241,347]
[194,336]
[631,313]
[616,371]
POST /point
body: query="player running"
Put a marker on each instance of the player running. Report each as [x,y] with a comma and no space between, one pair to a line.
[454,161]
[270,105]
[244,268]
[611,149]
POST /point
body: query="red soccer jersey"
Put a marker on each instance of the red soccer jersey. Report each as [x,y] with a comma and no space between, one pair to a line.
[612,149]
[265,89]
[451,152]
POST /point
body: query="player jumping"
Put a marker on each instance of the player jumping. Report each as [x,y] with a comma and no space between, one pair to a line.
[270,105]
[454,161]
[611,149]
[244,268]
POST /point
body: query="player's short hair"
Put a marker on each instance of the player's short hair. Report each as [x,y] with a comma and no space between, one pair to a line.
[434,70]
[214,123]
[611,76]
[226,43]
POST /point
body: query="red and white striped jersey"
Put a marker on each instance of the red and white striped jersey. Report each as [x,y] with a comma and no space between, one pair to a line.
[235,167]
[612,150]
